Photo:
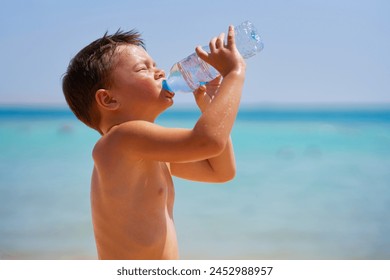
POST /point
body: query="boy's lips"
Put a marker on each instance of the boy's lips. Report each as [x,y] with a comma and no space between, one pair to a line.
[169,94]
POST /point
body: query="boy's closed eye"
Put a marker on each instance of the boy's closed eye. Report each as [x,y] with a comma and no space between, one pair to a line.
[145,66]
[140,67]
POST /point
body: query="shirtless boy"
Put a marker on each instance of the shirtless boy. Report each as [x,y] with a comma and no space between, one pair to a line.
[115,87]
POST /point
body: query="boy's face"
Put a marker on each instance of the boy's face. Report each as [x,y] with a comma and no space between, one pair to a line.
[137,83]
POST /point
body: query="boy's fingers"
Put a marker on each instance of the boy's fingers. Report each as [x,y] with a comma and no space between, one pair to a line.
[230,38]
[201,53]
[200,90]
[219,43]
[213,44]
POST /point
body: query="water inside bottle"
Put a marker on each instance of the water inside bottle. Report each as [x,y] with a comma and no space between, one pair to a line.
[196,71]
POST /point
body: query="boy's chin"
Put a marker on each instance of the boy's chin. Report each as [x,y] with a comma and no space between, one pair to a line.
[169,101]
[168,104]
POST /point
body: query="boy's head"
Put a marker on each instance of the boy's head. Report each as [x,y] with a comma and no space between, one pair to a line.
[90,70]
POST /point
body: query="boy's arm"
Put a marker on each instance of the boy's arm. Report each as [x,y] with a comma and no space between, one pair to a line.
[221,168]
[209,137]
[217,169]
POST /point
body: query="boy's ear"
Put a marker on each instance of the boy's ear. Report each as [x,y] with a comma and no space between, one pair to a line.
[105,100]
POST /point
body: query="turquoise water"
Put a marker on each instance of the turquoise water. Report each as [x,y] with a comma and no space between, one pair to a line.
[310,184]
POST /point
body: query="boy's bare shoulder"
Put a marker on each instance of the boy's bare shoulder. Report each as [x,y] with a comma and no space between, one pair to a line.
[112,142]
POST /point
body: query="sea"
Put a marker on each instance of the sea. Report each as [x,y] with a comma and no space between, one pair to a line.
[312,183]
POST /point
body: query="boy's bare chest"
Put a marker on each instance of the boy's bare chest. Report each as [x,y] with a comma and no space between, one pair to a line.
[153,184]
[146,185]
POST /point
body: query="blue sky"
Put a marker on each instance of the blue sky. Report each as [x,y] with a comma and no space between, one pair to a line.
[322,52]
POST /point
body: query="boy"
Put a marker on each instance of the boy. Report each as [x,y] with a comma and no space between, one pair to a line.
[114,86]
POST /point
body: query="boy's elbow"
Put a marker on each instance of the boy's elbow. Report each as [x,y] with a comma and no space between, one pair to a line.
[218,143]
[210,142]
[227,177]
[232,174]
[211,146]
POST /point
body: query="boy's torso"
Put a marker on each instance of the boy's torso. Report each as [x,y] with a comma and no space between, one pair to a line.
[132,208]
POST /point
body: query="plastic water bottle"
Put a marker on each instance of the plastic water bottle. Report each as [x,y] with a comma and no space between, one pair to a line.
[191,72]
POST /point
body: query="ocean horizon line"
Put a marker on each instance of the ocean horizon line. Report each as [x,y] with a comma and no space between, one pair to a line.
[257,112]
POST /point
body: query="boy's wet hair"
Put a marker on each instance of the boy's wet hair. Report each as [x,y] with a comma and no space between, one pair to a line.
[90,71]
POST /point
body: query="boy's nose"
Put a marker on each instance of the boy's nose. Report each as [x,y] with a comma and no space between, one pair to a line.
[160,74]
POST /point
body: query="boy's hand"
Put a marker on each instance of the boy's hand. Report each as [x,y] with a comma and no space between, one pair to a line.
[206,93]
[224,58]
